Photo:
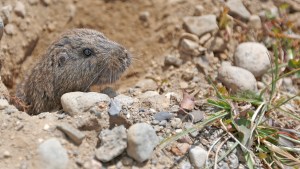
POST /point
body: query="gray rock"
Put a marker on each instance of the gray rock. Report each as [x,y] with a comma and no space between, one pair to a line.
[160,116]
[236,78]
[197,156]
[118,102]
[52,155]
[142,139]
[237,7]
[126,161]
[234,161]
[186,165]
[1,28]
[74,134]
[113,143]
[109,92]
[176,123]
[188,125]
[197,115]
[20,9]
[253,57]
[77,102]
[189,47]
[3,104]
[255,22]
[171,60]
[200,25]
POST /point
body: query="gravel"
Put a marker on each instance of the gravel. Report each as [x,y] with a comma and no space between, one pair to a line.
[200,25]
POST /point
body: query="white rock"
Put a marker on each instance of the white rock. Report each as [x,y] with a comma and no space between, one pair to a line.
[52,155]
[216,44]
[10,29]
[237,7]
[20,9]
[198,157]
[255,22]
[253,57]
[3,104]
[200,25]
[125,100]
[189,47]
[199,9]
[77,102]
[142,139]
[236,78]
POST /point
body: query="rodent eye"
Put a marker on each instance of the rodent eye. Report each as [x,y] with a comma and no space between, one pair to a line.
[87,52]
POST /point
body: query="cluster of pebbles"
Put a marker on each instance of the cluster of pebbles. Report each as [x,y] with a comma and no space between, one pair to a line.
[112,130]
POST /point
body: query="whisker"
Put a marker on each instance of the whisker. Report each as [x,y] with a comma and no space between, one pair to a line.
[104,65]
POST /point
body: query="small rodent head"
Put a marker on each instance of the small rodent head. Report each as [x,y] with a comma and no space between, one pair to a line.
[89,53]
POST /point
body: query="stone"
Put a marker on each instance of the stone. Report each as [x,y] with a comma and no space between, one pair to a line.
[255,22]
[199,9]
[153,99]
[216,44]
[176,123]
[115,108]
[236,7]
[3,104]
[10,29]
[197,115]
[198,156]
[92,164]
[74,134]
[78,102]
[203,64]
[189,36]
[189,47]
[52,155]
[109,92]
[126,161]
[160,116]
[253,57]
[147,85]
[144,16]
[33,2]
[6,14]
[199,25]
[113,143]
[233,161]
[142,139]
[118,102]
[46,2]
[204,38]
[236,78]
[20,9]
[171,60]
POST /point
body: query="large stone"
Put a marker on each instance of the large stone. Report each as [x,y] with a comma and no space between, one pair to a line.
[253,57]
[52,155]
[78,102]
[142,139]
[237,8]
[198,156]
[113,143]
[236,78]
[200,25]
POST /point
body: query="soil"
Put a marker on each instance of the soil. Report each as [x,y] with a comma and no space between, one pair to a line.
[149,41]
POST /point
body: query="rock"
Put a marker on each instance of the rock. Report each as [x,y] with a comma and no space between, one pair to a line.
[171,60]
[236,78]
[33,2]
[74,134]
[142,139]
[200,25]
[46,2]
[176,123]
[109,92]
[118,102]
[52,155]
[203,64]
[3,104]
[188,125]
[144,16]
[236,7]
[113,143]
[197,156]
[20,9]
[92,164]
[180,149]
[6,14]
[77,102]
[233,161]
[189,36]
[189,47]
[216,44]
[160,116]
[204,38]
[153,99]
[1,28]
[146,85]
[10,29]
[115,108]
[185,165]
[252,56]
[126,161]
[197,115]
[199,9]
[255,22]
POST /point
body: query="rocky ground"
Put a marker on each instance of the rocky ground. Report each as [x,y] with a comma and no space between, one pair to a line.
[177,47]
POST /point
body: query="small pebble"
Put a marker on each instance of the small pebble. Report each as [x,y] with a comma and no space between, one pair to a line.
[74,134]
[160,116]
[20,9]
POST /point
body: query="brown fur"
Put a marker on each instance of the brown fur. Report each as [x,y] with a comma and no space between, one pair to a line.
[64,68]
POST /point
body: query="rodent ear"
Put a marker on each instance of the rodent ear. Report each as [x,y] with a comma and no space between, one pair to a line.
[62,58]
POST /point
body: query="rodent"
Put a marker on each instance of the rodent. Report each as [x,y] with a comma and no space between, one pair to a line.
[78,59]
